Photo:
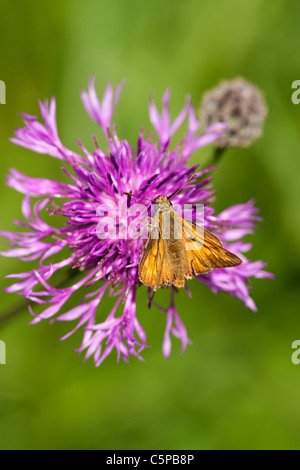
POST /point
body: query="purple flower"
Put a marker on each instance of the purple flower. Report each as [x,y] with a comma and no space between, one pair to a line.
[109,266]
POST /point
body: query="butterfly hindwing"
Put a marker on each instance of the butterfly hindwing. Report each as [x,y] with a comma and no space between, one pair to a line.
[204,251]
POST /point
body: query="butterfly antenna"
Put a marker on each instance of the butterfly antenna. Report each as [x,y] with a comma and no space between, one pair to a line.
[129,194]
[174,194]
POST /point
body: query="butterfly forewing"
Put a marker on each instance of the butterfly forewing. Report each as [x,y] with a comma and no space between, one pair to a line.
[162,263]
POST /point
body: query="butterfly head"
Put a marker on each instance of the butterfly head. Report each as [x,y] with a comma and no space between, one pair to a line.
[162,204]
[162,200]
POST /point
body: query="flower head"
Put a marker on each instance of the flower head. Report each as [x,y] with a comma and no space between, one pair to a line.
[241,105]
[107,264]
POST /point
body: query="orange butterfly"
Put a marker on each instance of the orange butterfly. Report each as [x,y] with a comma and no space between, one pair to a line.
[169,260]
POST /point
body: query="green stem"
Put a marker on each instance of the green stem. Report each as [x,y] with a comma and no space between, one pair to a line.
[15,310]
[216,156]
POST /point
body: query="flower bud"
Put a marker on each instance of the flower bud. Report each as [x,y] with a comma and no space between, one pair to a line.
[241,105]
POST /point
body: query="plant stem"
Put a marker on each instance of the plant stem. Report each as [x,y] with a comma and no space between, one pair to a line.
[13,312]
[216,156]
[16,309]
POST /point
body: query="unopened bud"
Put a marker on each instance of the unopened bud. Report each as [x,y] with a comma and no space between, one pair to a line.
[241,105]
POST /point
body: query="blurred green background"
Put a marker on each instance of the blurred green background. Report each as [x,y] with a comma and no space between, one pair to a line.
[235,387]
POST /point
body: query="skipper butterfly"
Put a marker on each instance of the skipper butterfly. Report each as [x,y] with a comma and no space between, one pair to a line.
[169,259]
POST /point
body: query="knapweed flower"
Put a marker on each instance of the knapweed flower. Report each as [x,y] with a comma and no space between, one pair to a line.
[110,265]
[241,105]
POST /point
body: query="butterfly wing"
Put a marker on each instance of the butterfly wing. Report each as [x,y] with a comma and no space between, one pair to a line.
[204,251]
[168,261]
[151,262]
[162,261]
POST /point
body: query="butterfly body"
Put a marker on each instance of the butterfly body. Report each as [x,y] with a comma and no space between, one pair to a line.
[178,249]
